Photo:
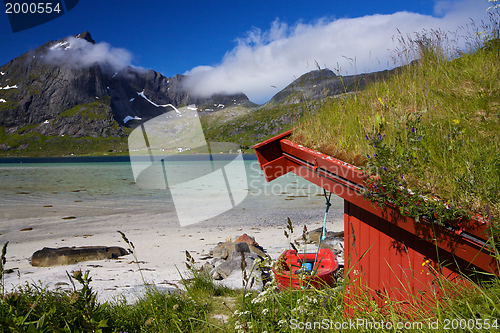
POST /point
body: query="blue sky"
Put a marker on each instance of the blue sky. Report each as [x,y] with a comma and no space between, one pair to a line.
[249,46]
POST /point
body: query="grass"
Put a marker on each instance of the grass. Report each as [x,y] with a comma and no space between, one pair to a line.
[431,127]
[247,128]
[201,305]
[36,145]
[91,111]
[29,142]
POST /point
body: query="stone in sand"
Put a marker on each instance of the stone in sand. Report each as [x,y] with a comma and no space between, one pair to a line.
[258,251]
[235,281]
[71,255]
[225,268]
[333,243]
[315,234]
[247,239]
[225,250]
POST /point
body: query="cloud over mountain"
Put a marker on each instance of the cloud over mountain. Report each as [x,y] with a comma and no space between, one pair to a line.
[265,60]
[78,52]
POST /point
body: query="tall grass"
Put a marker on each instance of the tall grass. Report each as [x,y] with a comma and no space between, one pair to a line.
[431,127]
[204,306]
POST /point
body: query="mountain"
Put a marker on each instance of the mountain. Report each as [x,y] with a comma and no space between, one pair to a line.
[303,96]
[321,83]
[59,89]
[62,98]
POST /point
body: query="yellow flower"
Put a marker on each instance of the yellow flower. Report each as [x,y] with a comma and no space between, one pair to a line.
[456,121]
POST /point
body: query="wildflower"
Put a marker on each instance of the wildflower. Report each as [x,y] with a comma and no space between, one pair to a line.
[456,121]
[282,322]
[385,169]
[368,156]
[265,311]
[413,129]
[367,139]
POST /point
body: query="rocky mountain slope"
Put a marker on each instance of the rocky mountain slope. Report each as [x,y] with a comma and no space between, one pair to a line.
[54,100]
[303,96]
[321,83]
[53,91]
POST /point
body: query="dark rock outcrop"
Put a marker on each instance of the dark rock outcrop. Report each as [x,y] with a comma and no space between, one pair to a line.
[50,90]
[231,259]
[71,255]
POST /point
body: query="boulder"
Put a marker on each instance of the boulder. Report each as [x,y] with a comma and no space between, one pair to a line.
[207,267]
[247,239]
[315,234]
[225,250]
[225,268]
[226,264]
[71,255]
[257,250]
[235,281]
[333,243]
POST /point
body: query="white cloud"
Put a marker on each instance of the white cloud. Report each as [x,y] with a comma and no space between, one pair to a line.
[275,57]
[81,53]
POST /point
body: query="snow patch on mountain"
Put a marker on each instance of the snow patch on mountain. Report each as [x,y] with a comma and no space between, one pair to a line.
[61,45]
[9,87]
[127,118]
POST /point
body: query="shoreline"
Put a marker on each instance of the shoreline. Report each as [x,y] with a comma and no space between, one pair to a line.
[113,158]
[65,205]
[160,250]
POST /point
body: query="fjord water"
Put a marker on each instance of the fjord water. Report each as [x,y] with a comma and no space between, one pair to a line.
[103,186]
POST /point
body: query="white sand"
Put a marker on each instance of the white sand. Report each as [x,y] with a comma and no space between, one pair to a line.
[160,247]
[103,198]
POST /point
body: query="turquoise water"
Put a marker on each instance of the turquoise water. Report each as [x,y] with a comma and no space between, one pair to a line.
[31,190]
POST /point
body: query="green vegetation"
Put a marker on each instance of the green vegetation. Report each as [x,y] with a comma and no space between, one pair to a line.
[202,305]
[251,126]
[36,145]
[432,127]
[92,111]
[8,105]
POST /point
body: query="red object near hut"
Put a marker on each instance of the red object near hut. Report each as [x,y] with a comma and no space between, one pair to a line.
[387,254]
[302,270]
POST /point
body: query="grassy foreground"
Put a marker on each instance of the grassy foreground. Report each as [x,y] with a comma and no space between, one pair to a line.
[201,305]
[432,127]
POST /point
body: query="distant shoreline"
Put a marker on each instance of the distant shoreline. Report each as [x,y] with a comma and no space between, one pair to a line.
[121,158]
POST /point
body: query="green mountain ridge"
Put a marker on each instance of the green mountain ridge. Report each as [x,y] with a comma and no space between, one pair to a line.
[49,109]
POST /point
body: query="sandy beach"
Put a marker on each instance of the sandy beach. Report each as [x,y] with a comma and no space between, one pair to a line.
[32,219]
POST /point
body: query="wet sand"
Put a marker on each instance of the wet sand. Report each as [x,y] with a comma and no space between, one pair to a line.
[34,216]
